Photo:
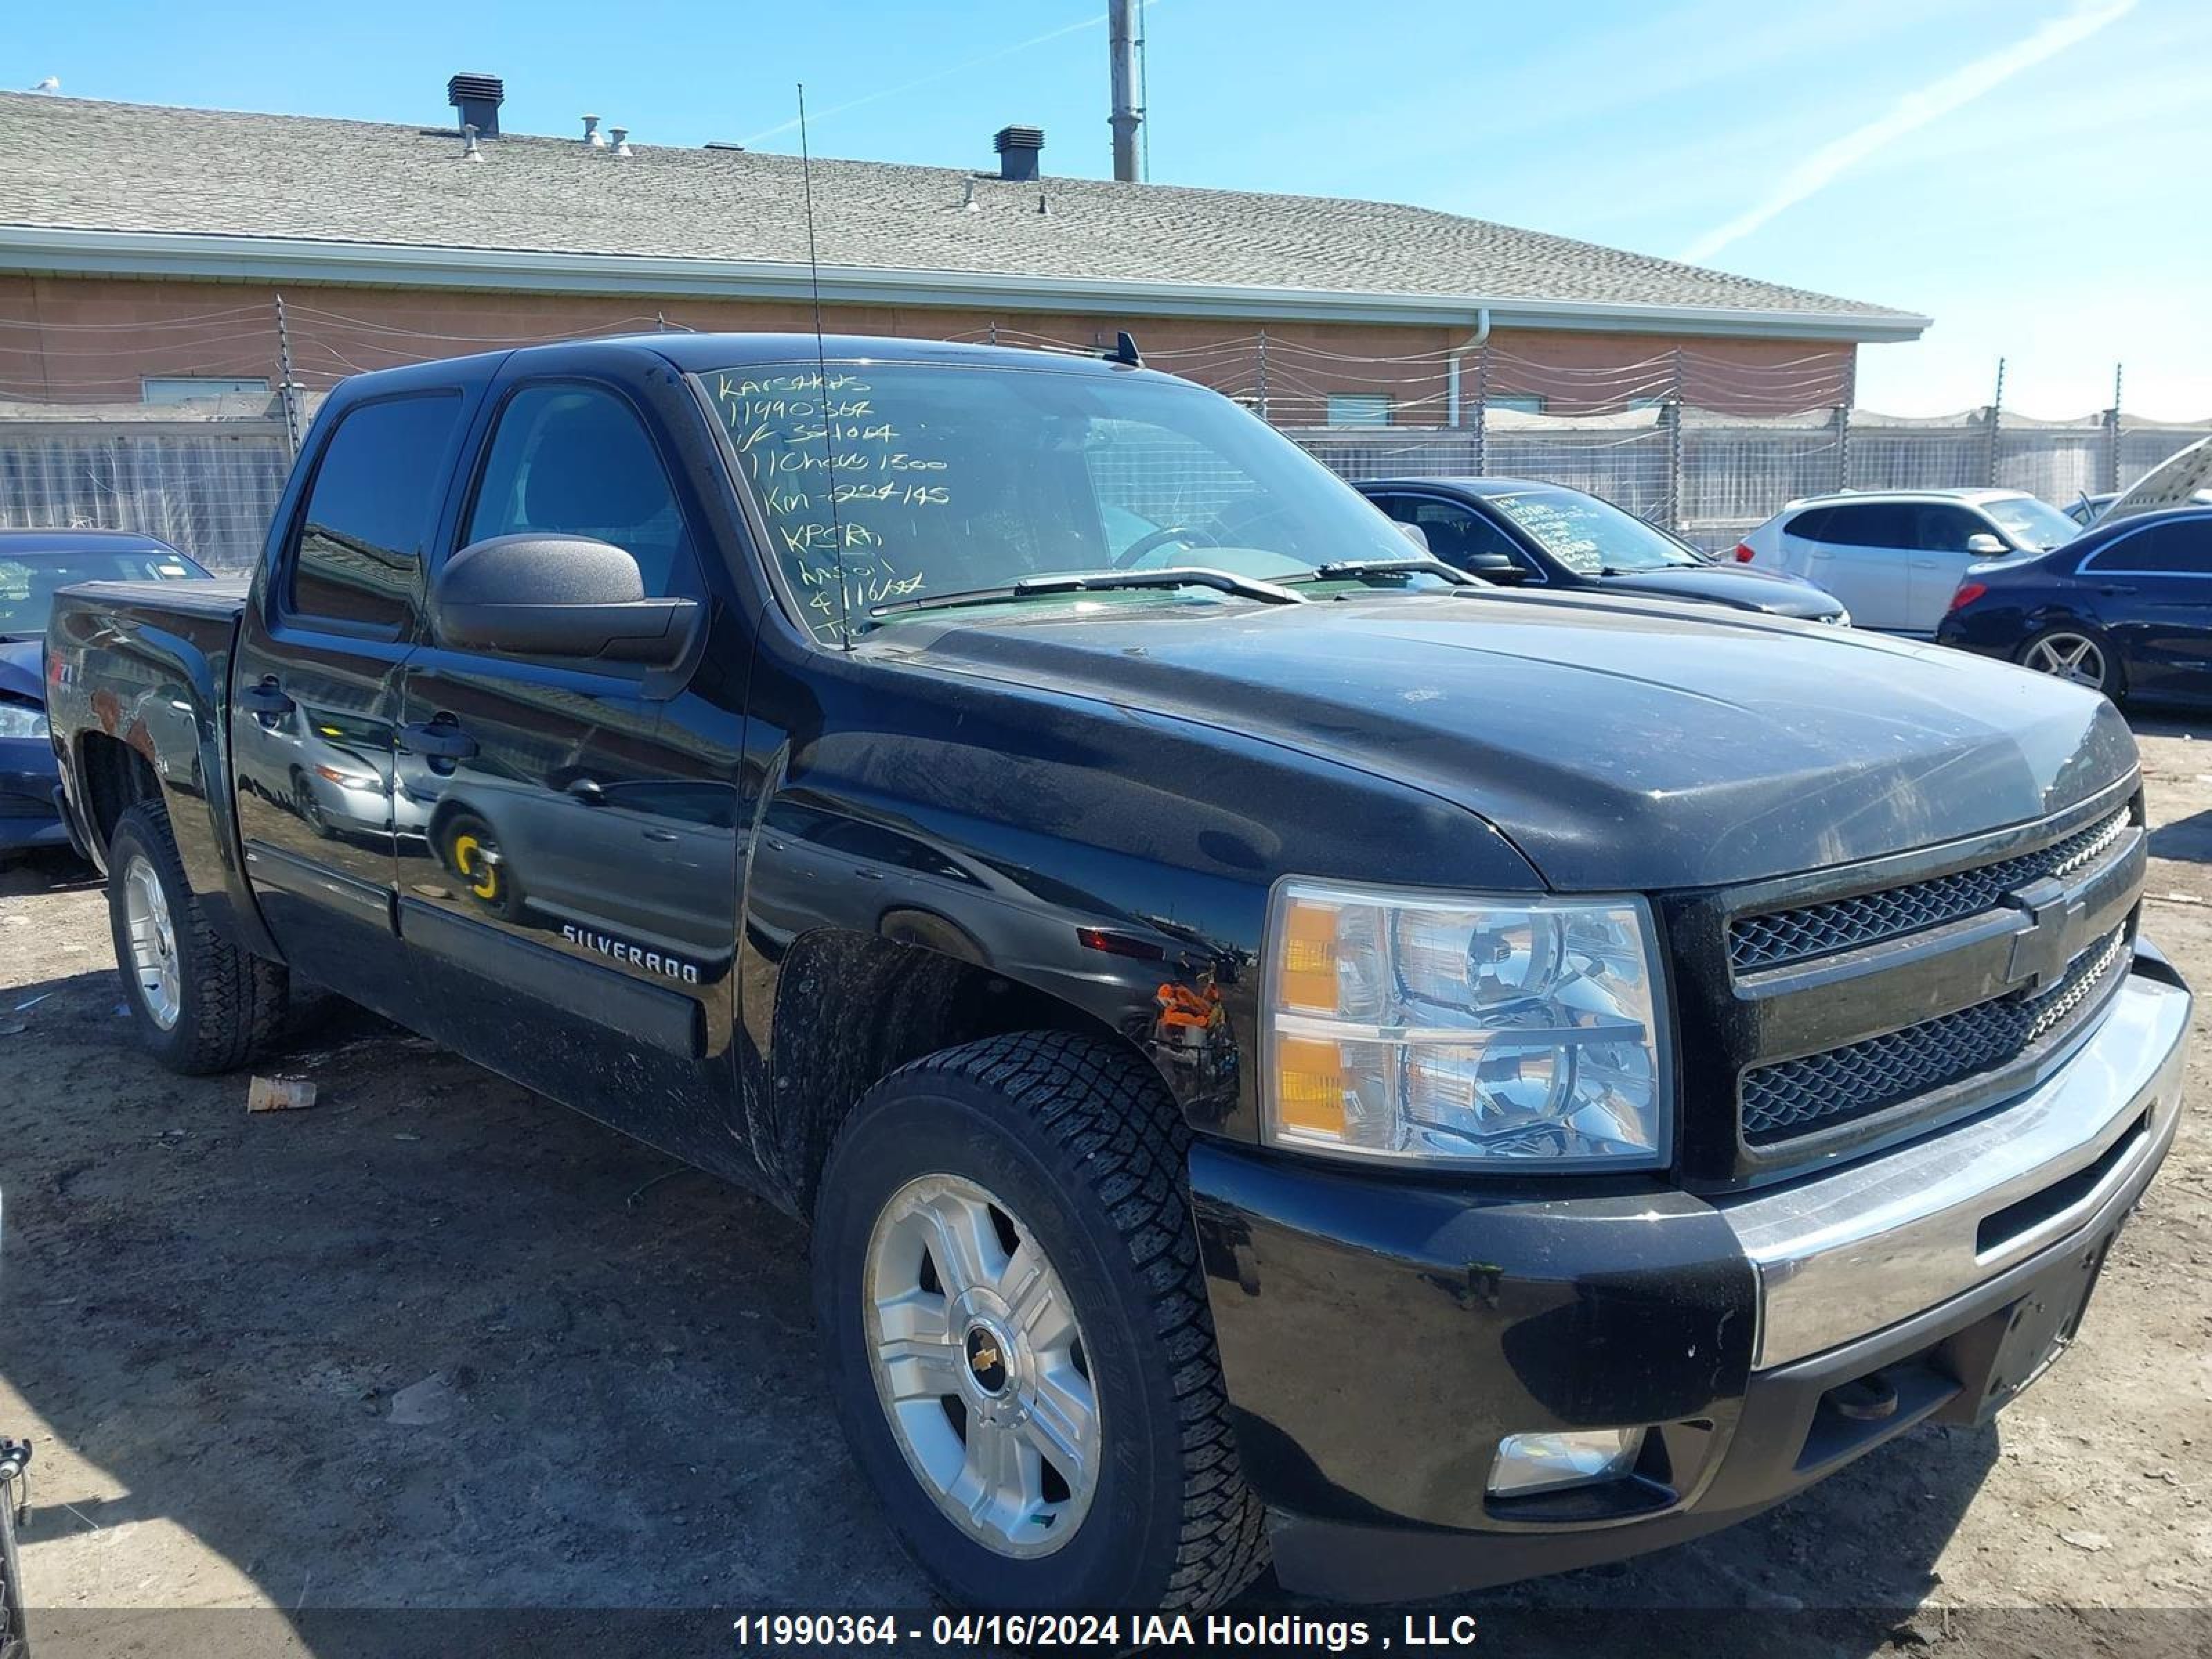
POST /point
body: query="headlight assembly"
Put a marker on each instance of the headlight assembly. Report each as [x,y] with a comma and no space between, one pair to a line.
[22,719]
[1519,1031]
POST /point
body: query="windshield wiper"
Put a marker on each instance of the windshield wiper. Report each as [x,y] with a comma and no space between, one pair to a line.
[1360,569]
[1096,581]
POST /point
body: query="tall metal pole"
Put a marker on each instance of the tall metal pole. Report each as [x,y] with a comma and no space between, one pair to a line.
[1672,414]
[287,388]
[1996,415]
[2112,478]
[1121,43]
[1478,453]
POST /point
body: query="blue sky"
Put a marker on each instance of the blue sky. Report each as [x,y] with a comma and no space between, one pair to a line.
[2029,172]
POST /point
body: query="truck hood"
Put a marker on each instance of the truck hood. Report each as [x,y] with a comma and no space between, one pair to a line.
[1770,591]
[1619,744]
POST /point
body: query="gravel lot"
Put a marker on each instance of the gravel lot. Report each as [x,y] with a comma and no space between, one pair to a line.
[439,1345]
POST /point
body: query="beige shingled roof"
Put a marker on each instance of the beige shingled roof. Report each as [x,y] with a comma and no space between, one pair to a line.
[77,165]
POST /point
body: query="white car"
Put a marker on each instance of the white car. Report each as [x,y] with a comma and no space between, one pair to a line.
[1895,557]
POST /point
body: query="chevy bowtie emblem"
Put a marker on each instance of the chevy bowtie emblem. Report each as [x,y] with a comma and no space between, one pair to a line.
[2051,938]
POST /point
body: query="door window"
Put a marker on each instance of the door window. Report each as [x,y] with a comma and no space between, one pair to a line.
[1456,534]
[1872,523]
[370,511]
[1944,529]
[574,460]
[2179,549]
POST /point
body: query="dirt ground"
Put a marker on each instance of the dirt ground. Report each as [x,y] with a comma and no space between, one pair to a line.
[437,1345]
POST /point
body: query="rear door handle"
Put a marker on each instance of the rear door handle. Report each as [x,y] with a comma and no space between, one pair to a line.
[2112,591]
[439,739]
[265,698]
[661,835]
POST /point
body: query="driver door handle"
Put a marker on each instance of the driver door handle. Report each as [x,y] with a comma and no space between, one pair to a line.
[267,697]
[440,739]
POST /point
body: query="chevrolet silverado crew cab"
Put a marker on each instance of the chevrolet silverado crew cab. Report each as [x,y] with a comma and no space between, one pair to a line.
[1289,1054]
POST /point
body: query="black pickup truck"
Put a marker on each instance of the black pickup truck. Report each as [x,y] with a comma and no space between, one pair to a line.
[1288,1053]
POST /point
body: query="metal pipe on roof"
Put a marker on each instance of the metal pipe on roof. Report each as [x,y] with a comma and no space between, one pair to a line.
[1121,46]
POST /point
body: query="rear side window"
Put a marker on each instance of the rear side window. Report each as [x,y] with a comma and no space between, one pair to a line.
[2182,548]
[1812,524]
[1872,523]
[370,510]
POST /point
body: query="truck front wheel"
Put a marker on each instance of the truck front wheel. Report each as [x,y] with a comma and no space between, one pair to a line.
[1015,1330]
[198,1003]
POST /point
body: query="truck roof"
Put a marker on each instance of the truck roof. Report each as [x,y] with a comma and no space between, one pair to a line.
[696,352]
[704,353]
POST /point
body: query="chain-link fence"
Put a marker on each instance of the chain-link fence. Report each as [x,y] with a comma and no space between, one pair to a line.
[185,429]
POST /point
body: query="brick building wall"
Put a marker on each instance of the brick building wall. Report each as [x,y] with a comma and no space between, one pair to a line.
[87,340]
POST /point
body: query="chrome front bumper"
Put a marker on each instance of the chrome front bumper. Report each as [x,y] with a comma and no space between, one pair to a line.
[1843,1256]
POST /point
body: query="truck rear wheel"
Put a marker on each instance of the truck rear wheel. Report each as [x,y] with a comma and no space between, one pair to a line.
[198,1003]
[1015,1331]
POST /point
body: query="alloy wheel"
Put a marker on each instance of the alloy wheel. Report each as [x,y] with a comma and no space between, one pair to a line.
[979,1366]
[2069,657]
[153,942]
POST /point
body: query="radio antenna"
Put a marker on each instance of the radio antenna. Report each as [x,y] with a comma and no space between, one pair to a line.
[822,378]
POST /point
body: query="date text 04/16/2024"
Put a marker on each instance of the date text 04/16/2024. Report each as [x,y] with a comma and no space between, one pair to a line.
[1218,1633]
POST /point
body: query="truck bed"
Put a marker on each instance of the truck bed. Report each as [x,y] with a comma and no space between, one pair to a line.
[146,665]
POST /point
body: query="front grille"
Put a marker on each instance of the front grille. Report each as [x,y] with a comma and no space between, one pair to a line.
[1819,930]
[1799,1096]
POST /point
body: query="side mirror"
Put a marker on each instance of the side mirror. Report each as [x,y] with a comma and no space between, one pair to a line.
[536,595]
[1984,546]
[1415,534]
[1497,568]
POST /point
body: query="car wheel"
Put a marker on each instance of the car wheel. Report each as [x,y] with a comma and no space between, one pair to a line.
[472,853]
[1015,1331]
[197,1002]
[309,808]
[2075,655]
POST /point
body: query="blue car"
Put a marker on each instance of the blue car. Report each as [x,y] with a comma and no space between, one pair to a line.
[35,565]
[2125,608]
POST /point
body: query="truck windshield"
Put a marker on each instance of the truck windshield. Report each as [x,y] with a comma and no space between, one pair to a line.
[926,479]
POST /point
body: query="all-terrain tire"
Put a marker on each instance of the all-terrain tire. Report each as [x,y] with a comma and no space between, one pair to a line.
[1086,1147]
[15,1633]
[230,1003]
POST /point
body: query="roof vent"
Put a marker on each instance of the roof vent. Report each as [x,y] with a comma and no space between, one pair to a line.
[478,98]
[1018,148]
[621,140]
[592,135]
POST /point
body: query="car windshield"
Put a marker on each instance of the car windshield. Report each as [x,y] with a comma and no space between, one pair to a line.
[925,480]
[1591,538]
[2031,523]
[30,577]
